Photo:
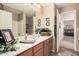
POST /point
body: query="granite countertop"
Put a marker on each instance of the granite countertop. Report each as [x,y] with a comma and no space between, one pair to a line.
[22,47]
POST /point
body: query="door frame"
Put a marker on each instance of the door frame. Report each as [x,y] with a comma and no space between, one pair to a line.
[75,36]
[57,31]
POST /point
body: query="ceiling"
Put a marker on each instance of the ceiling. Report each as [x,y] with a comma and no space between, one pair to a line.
[25,7]
[61,5]
[22,7]
[28,7]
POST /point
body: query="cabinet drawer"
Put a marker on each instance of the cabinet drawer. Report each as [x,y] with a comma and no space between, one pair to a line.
[27,53]
[39,52]
[37,47]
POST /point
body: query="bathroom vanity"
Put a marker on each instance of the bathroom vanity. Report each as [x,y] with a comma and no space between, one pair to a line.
[42,47]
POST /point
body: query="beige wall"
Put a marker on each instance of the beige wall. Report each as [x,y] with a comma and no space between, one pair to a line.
[38,15]
[49,11]
[68,8]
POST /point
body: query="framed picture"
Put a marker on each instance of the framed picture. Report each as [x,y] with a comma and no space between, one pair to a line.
[39,22]
[7,36]
[48,21]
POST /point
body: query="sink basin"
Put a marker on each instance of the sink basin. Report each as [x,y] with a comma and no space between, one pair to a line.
[27,41]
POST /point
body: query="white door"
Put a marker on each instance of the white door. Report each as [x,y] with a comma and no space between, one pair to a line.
[58,29]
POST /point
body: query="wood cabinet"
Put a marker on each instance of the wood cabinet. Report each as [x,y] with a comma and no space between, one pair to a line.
[42,49]
[39,53]
[46,50]
[46,47]
[38,50]
[37,47]
[26,53]
[51,44]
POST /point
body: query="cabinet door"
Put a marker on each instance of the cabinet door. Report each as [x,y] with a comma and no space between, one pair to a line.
[51,43]
[27,53]
[39,52]
[37,47]
[46,50]
[46,47]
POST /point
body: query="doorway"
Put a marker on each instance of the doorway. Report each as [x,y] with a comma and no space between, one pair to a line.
[67,40]
[66,30]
